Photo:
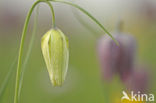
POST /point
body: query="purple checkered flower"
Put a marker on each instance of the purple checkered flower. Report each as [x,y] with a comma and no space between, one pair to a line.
[116,59]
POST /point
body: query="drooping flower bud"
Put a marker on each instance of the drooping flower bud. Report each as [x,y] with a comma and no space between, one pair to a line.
[139,80]
[55,49]
[116,59]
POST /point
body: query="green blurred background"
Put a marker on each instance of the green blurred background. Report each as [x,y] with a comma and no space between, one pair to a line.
[83,83]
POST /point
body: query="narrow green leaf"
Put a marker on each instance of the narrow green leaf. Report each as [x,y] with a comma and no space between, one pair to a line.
[10,72]
[7,78]
[85,24]
[89,15]
[29,49]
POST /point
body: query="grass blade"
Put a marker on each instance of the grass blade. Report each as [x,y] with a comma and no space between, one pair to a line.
[29,49]
[7,78]
[84,23]
[89,15]
[10,72]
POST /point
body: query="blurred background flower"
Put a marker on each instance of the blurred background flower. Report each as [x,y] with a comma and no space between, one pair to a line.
[117,59]
[139,80]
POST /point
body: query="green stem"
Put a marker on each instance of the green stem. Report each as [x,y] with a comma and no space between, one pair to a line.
[18,74]
[52,12]
[29,48]
[89,15]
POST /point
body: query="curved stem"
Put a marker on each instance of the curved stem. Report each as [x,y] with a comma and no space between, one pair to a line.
[18,74]
[53,13]
[89,15]
[29,50]
[21,52]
